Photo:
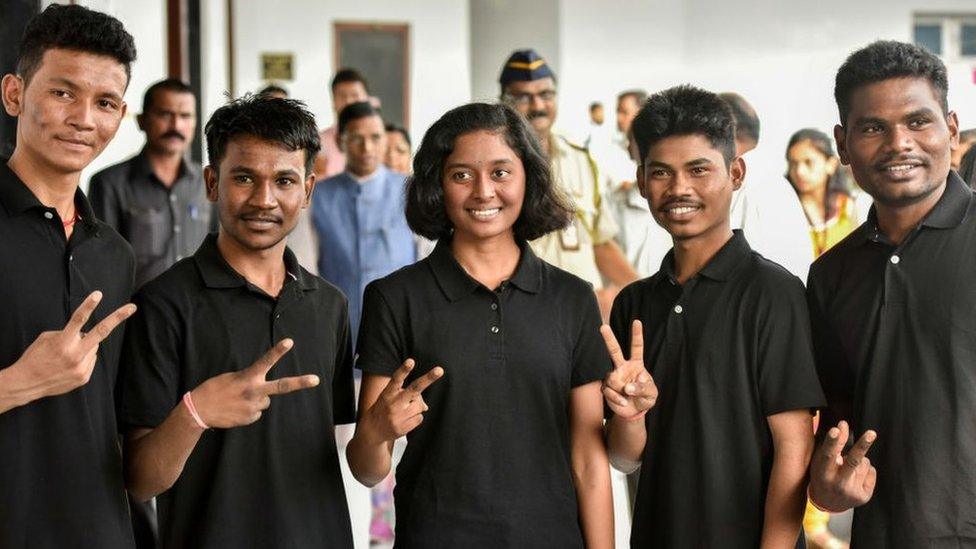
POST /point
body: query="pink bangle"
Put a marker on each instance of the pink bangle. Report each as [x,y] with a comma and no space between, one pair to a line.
[188,401]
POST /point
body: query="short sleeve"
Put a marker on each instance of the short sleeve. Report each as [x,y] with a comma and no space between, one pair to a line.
[151,364]
[786,372]
[591,361]
[380,347]
[343,386]
[832,368]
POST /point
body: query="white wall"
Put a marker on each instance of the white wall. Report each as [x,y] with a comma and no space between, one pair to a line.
[782,56]
[439,50]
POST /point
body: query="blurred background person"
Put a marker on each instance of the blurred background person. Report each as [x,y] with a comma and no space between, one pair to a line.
[399,154]
[274,90]
[348,87]
[967,167]
[966,140]
[157,200]
[829,205]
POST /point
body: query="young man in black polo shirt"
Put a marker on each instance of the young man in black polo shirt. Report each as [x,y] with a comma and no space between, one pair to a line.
[60,468]
[723,431]
[267,474]
[892,309]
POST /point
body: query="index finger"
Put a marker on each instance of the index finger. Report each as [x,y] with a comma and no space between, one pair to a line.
[834,443]
[81,315]
[286,385]
[616,355]
[263,365]
[636,340]
[400,375]
[421,383]
[104,328]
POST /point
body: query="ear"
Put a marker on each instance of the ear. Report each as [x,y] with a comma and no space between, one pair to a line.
[123,109]
[210,179]
[953,122]
[12,87]
[339,143]
[840,136]
[737,171]
[640,181]
[309,187]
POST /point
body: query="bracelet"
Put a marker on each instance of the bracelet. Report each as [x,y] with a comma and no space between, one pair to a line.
[635,417]
[188,401]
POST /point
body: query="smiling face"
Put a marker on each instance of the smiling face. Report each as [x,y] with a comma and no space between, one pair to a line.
[260,188]
[897,141]
[484,186]
[688,187]
[69,111]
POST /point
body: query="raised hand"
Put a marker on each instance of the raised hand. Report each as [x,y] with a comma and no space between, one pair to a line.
[628,389]
[61,361]
[399,409]
[238,398]
[839,482]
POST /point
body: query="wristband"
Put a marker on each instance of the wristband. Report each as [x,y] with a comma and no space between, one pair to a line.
[188,401]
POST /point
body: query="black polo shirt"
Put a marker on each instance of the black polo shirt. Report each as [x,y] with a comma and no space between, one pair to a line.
[163,224]
[60,466]
[276,482]
[727,349]
[490,465]
[895,336]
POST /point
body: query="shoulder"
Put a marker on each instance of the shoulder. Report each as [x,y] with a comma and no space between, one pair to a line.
[114,174]
[563,282]
[403,282]
[326,293]
[635,292]
[181,279]
[831,264]
[572,144]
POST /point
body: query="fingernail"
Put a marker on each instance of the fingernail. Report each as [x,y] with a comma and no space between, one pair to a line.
[833,432]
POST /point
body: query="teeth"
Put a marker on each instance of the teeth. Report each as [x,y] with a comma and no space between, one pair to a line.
[485,213]
[682,210]
[901,167]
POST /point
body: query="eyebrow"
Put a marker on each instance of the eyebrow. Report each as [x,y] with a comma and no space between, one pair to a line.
[702,161]
[464,165]
[62,81]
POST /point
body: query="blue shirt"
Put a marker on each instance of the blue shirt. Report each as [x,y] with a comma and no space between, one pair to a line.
[362,232]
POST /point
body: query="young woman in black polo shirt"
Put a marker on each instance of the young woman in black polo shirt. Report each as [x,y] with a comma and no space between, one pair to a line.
[505,446]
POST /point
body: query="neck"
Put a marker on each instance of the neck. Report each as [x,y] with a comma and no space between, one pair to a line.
[692,254]
[165,165]
[814,205]
[263,268]
[487,260]
[896,222]
[362,177]
[54,189]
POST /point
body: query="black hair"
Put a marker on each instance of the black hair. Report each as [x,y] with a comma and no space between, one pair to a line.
[838,183]
[390,128]
[639,96]
[272,89]
[355,111]
[349,75]
[75,28]
[967,167]
[967,135]
[170,84]
[685,110]
[544,208]
[747,124]
[286,122]
[595,105]
[887,59]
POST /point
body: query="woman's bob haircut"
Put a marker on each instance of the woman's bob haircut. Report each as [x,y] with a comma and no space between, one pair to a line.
[544,209]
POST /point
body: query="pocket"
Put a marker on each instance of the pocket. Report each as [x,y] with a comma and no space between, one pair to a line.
[148,231]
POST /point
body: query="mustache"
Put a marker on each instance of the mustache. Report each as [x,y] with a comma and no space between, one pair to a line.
[899,159]
[680,202]
[537,114]
[173,133]
[260,216]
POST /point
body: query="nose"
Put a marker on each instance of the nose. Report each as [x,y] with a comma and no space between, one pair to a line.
[484,188]
[899,139]
[81,116]
[680,185]
[537,103]
[262,196]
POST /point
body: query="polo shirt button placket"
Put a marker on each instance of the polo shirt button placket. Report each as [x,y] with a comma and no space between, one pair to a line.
[48,215]
[895,259]
[678,309]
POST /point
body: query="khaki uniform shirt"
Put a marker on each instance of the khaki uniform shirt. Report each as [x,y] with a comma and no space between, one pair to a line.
[572,248]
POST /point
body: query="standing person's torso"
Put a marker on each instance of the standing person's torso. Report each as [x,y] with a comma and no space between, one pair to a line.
[490,466]
[896,340]
[273,483]
[163,224]
[362,232]
[727,349]
[60,465]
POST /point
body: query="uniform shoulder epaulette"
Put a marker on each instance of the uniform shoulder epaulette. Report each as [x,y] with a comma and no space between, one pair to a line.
[573,144]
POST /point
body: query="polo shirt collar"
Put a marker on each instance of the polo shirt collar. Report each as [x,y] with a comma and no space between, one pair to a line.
[17,198]
[722,265]
[217,273]
[455,282]
[950,211]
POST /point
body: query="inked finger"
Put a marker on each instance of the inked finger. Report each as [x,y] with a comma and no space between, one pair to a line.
[421,383]
[108,324]
[636,340]
[286,385]
[263,365]
[401,373]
